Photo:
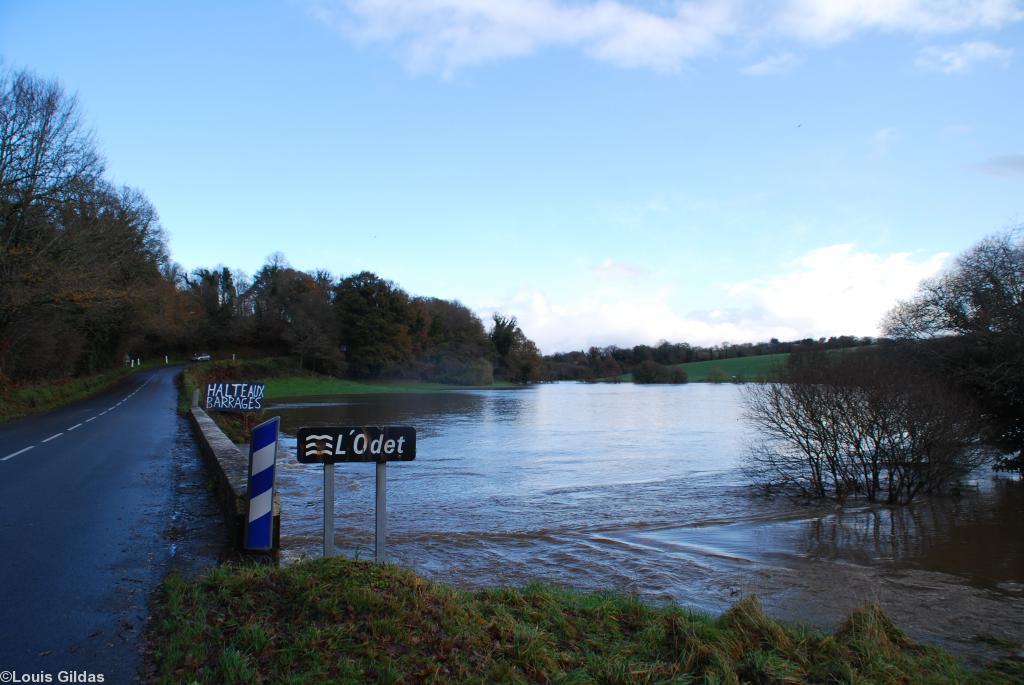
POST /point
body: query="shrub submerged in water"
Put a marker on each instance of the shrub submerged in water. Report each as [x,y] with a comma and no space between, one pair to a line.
[653,372]
[868,423]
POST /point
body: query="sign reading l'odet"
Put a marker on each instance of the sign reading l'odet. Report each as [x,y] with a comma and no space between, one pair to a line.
[334,444]
[330,445]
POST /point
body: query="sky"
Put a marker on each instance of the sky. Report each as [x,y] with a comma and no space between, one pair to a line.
[609,172]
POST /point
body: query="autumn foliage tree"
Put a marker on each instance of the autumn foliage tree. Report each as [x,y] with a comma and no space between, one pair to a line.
[78,257]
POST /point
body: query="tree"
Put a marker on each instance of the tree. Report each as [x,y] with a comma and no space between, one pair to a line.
[518,359]
[969,322]
[653,372]
[373,315]
[870,423]
[80,261]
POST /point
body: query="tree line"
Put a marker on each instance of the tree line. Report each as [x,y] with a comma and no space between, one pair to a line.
[650,363]
[86,280]
[359,326]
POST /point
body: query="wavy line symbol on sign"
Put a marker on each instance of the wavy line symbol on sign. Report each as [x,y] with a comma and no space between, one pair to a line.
[319,445]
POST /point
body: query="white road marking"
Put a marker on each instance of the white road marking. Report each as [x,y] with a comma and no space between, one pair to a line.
[92,419]
[103,412]
[77,425]
[53,437]
[110,409]
[14,454]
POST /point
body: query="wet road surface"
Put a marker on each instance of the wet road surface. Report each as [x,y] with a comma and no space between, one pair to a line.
[92,497]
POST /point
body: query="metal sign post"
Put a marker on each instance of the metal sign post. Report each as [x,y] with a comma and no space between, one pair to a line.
[334,444]
[382,512]
[328,510]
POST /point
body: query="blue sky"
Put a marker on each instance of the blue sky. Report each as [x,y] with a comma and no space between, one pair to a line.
[609,172]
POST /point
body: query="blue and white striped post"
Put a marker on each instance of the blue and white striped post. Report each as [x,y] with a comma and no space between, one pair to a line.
[259,528]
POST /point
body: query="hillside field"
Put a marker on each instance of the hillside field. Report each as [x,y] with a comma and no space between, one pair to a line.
[735,369]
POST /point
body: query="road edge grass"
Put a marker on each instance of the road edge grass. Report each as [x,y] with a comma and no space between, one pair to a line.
[344,621]
[36,398]
[283,380]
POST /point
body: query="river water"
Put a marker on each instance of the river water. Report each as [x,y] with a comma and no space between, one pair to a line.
[638,488]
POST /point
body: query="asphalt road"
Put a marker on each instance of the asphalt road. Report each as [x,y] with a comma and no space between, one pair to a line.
[88,510]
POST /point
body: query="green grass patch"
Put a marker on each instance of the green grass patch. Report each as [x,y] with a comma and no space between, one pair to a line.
[342,621]
[284,379]
[735,370]
[32,398]
[763,367]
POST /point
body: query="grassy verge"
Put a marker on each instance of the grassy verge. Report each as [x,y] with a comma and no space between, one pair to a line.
[342,621]
[39,397]
[284,379]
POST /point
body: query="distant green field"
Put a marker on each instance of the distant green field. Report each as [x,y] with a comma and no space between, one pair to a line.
[738,368]
[746,368]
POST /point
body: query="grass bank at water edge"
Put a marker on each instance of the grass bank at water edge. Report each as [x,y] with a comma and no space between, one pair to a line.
[284,379]
[296,386]
[342,621]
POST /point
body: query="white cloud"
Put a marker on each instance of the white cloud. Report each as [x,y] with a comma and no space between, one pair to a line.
[882,141]
[835,20]
[834,290]
[618,269]
[445,35]
[1007,166]
[449,34]
[837,290]
[962,58]
[776,64]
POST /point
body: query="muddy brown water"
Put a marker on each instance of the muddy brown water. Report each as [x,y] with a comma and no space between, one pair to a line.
[638,488]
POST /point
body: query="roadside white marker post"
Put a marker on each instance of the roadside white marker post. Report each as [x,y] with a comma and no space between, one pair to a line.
[328,510]
[259,527]
[166,361]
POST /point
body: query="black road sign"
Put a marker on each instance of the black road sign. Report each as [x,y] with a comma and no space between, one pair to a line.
[235,396]
[335,444]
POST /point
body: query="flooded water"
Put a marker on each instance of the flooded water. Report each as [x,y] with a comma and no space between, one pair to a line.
[637,488]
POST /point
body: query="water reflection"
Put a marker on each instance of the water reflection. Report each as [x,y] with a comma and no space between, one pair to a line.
[619,485]
[975,535]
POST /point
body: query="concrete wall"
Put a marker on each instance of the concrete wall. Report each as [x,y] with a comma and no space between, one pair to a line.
[230,468]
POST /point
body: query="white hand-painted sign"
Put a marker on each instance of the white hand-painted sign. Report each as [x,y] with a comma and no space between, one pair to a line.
[235,396]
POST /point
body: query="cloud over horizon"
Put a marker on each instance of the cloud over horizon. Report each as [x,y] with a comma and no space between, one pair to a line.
[446,35]
[834,290]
